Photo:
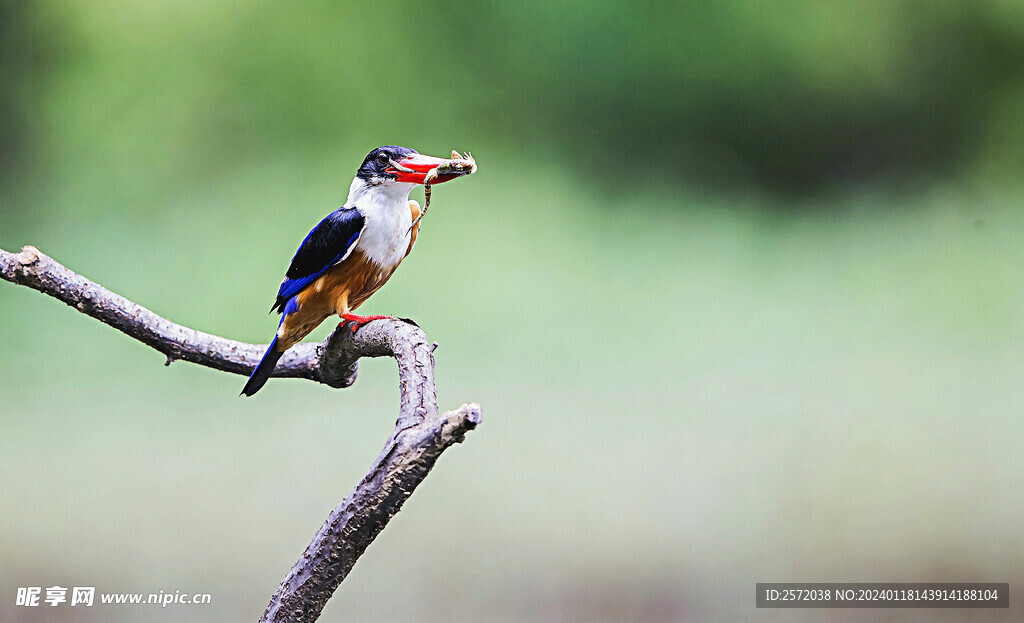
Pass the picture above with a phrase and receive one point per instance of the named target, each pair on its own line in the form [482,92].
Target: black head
[373,169]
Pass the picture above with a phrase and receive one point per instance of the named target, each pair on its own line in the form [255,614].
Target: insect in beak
[428,170]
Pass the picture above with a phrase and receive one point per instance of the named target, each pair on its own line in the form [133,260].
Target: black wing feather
[330,241]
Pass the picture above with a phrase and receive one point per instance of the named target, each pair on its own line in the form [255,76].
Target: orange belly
[341,289]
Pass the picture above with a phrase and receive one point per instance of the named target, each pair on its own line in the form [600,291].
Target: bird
[354,250]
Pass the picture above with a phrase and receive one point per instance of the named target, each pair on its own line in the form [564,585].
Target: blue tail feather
[263,371]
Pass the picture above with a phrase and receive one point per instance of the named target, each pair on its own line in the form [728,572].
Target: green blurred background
[738,285]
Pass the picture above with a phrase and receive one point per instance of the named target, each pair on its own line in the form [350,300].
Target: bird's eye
[383,158]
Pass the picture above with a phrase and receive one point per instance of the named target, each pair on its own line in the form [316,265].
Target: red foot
[359,321]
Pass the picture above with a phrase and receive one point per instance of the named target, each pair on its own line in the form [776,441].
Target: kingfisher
[354,250]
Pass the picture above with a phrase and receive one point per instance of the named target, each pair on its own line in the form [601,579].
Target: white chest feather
[385,208]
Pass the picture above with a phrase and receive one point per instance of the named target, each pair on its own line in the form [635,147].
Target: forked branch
[421,433]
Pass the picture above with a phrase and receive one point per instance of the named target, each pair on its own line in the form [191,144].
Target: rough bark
[421,433]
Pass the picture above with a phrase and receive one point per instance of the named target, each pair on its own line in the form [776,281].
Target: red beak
[415,167]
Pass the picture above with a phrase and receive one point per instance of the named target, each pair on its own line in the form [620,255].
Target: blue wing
[327,244]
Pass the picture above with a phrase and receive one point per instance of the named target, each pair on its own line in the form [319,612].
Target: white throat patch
[385,208]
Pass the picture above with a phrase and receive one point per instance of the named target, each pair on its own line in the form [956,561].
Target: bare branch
[36,270]
[405,461]
[421,434]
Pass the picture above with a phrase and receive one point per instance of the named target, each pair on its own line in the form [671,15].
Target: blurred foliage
[685,389]
[794,97]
